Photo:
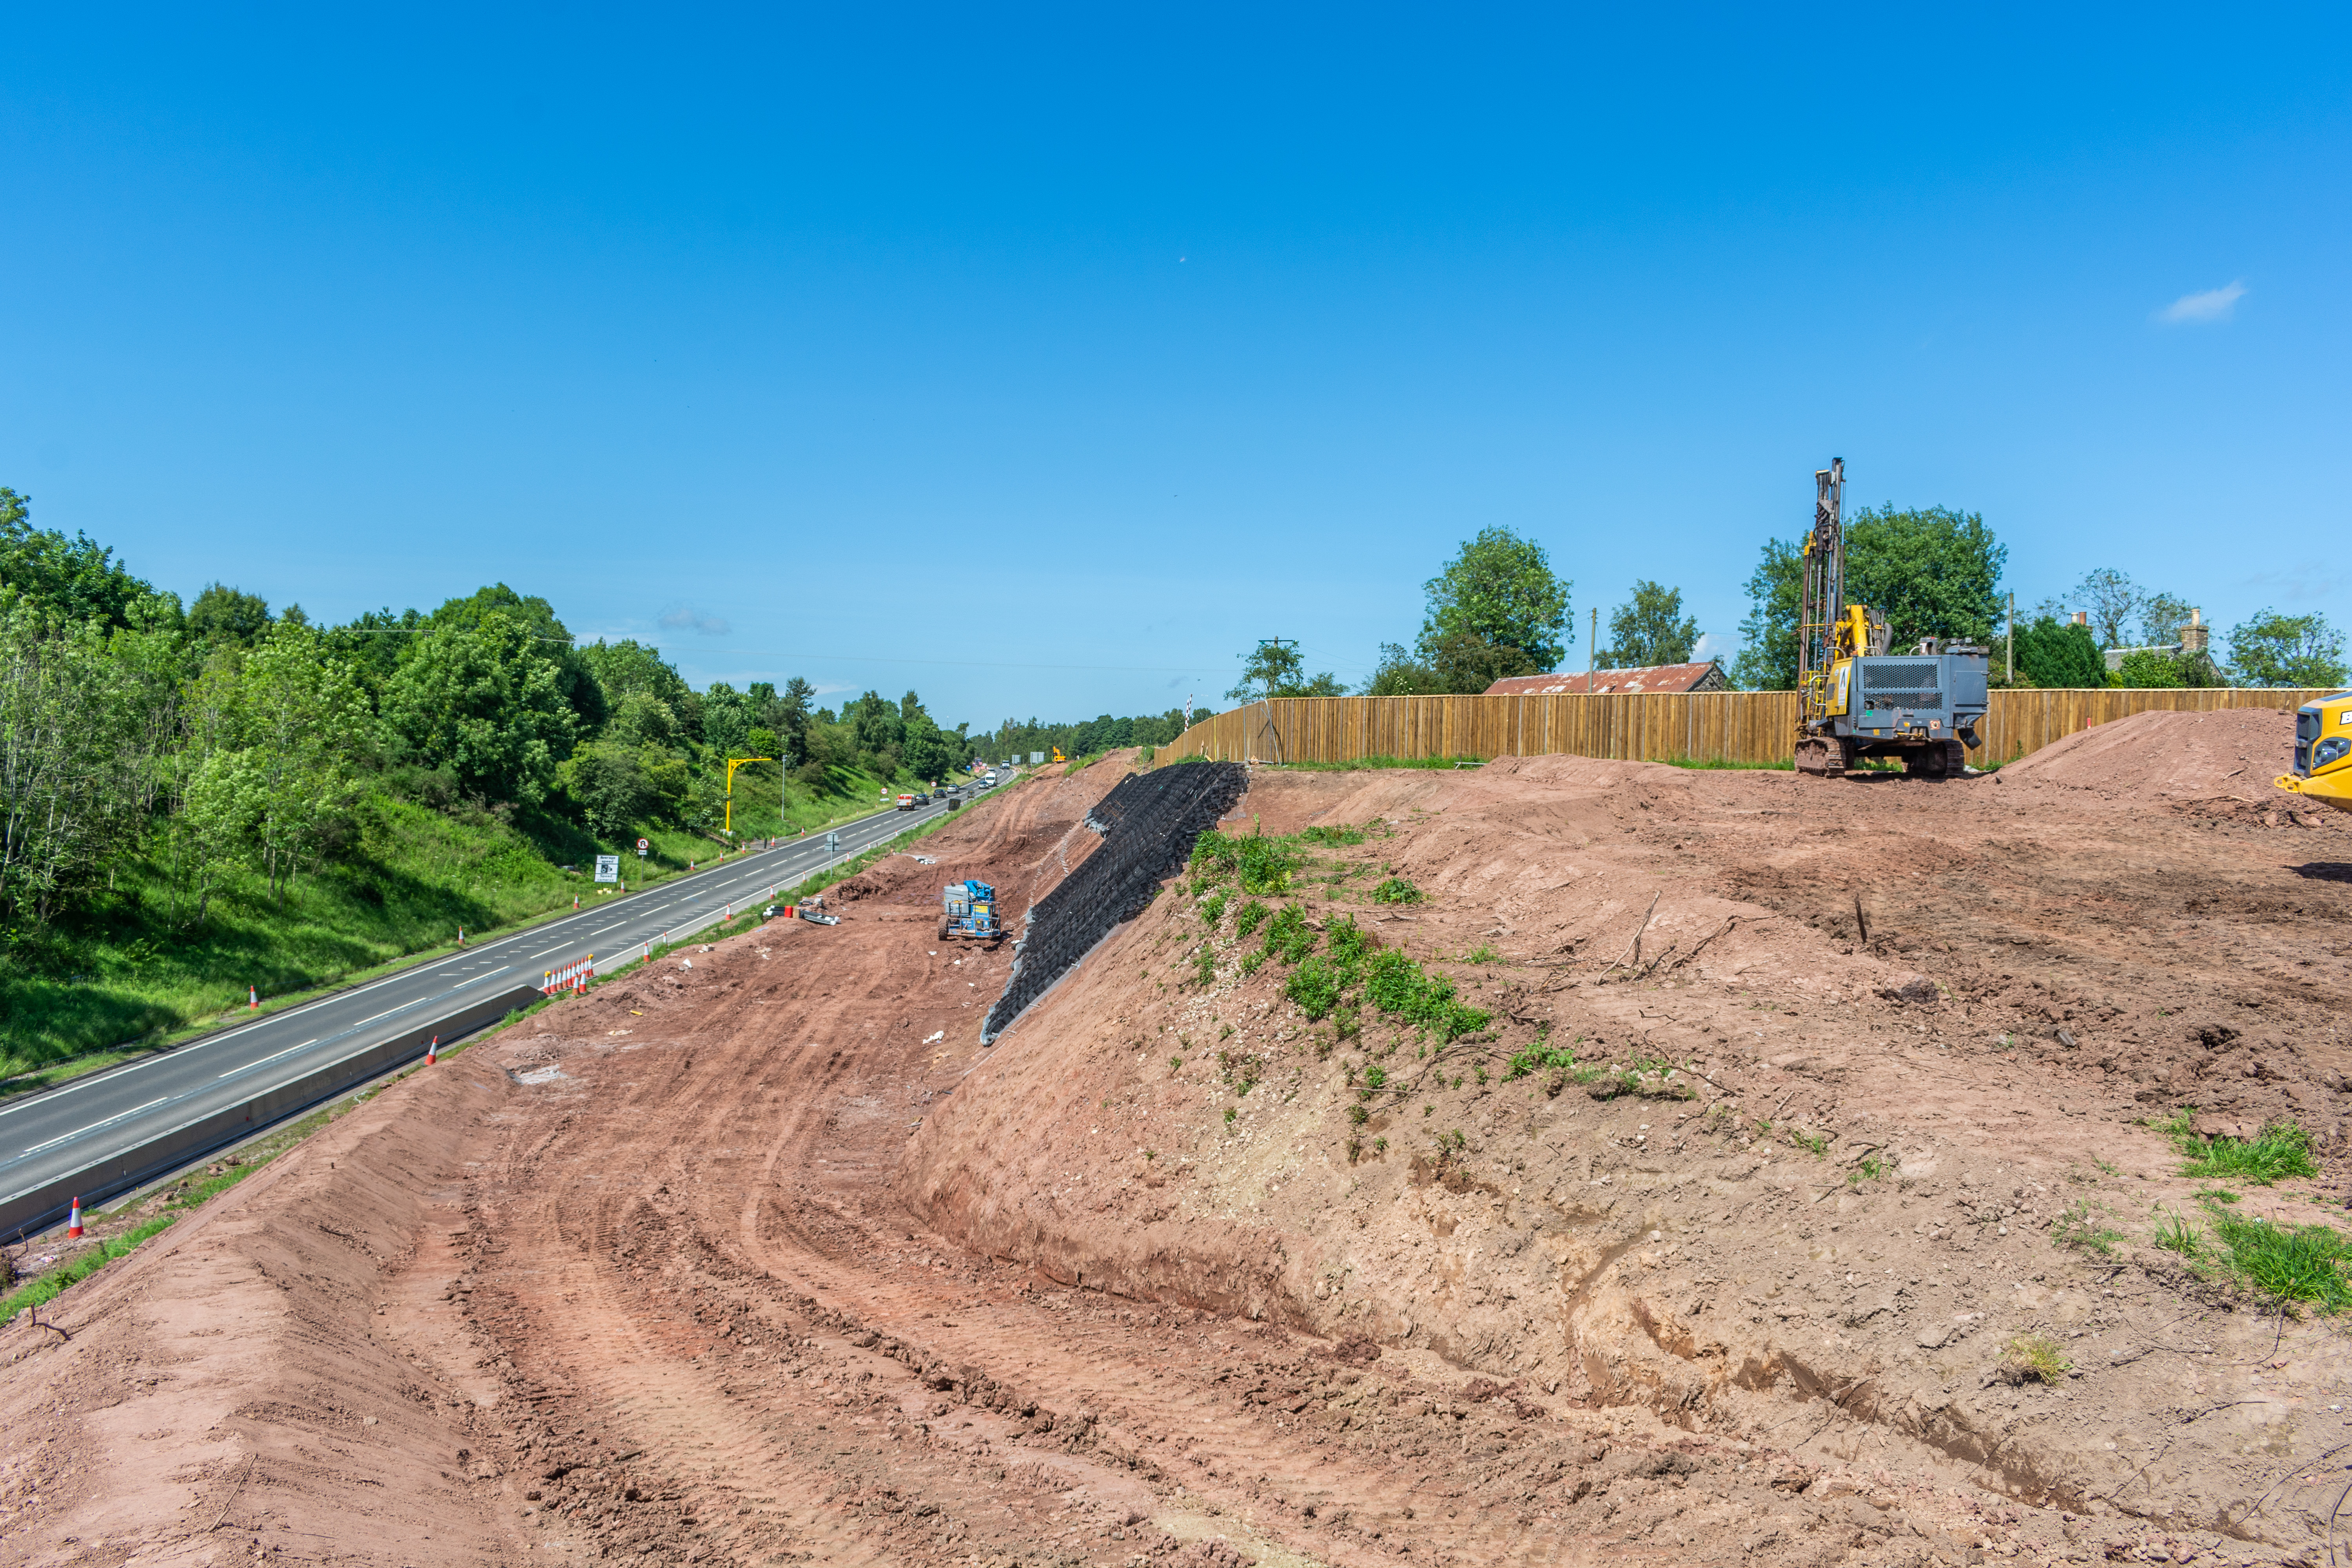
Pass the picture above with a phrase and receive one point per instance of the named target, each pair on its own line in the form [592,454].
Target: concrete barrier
[165,1152]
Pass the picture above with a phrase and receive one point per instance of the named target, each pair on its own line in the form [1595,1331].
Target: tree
[790,718]
[2155,667]
[1768,653]
[2113,600]
[69,784]
[298,712]
[1931,572]
[1651,630]
[2054,653]
[2161,616]
[74,579]
[1274,669]
[1401,673]
[486,702]
[1501,589]
[225,616]
[2271,650]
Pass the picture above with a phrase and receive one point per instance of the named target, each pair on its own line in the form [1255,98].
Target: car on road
[909,802]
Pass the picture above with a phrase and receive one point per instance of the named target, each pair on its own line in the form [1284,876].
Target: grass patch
[1485,952]
[2301,1264]
[2280,1152]
[2035,1358]
[2080,1227]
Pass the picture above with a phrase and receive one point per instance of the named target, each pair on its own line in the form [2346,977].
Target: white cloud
[1712,647]
[684,617]
[2212,305]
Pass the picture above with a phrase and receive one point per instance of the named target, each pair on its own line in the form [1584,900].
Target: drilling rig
[1854,699]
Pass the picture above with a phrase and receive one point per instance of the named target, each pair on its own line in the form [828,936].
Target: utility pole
[1592,649]
[2011,657]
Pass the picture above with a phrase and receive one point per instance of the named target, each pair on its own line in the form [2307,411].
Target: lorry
[968,910]
[909,802]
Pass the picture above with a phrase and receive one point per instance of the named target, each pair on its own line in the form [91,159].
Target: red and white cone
[73,1225]
[433,1050]
[252,998]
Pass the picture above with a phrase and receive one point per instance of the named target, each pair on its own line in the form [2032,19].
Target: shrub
[1213,908]
[1314,988]
[1349,942]
[1259,865]
[1288,936]
[1395,984]
[1396,890]
[1205,965]
[1252,915]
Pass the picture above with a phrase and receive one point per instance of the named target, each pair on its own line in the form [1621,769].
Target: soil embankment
[757,1257]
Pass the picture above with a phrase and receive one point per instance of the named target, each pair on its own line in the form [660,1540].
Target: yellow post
[732,764]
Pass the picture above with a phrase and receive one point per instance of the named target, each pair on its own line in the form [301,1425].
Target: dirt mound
[2229,755]
[755,1256]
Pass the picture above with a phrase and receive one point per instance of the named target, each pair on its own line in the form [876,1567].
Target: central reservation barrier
[1728,727]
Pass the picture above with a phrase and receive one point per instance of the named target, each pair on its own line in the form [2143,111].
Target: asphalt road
[88,1123]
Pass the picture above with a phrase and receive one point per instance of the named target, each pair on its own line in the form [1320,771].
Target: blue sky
[1044,360]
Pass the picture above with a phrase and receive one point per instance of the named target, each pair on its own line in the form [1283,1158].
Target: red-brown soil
[765,1259]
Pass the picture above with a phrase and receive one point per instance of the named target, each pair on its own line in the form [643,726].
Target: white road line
[96,1125]
[267,1060]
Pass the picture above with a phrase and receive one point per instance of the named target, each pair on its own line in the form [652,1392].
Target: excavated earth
[757,1256]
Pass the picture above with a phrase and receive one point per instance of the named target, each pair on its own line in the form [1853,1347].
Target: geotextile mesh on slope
[1148,822]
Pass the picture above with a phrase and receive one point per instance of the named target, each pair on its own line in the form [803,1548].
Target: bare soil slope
[756,1256]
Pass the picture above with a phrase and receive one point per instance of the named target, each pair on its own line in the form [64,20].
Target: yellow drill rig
[2323,752]
[1854,699]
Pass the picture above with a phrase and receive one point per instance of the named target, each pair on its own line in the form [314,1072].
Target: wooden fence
[1697,727]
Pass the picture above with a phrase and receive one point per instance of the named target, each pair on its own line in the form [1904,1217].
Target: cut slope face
[1850,1197]
[755,1255]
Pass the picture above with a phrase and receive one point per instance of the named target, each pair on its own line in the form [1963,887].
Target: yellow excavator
[2323,752]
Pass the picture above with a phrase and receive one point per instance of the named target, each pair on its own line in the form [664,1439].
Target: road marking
[267,1060]
[96,1125]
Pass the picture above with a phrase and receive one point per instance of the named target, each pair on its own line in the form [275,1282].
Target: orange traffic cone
[433,1050]
[73,1225]
[252,998]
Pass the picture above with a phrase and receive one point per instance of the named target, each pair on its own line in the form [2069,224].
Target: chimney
[2079,618]
[2193,635]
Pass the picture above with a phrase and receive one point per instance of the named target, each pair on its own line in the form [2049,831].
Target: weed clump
[1338,832]
[1213,908]
[1260,865]
[1250,916]
[1288,936]
[2035,1358]
[2279,1152]
[2302,1263]
[2079,1227]
[1396,985]
[1396,890]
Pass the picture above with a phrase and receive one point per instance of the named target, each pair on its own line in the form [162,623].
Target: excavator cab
[2323,752]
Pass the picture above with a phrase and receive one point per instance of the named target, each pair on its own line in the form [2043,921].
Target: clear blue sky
[1107,341]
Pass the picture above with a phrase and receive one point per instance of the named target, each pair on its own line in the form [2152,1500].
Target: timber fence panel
[1755,728]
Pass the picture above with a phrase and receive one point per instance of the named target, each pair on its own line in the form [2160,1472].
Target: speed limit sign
[644,844]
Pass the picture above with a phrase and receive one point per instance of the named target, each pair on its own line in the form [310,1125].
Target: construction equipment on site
[1058,755]
[969,911]
[2323,752]
[1854,699]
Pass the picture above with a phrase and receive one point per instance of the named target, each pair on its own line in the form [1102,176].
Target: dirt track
[763,1259]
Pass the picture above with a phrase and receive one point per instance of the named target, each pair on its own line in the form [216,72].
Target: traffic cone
[433,1050]
[252,999]
[73,1225]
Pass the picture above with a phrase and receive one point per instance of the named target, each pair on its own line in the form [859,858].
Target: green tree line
[219,738]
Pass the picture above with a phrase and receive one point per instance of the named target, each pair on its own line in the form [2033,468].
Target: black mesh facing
[1148,822]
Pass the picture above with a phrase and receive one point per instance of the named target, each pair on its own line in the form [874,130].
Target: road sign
[644,844]
[608,868]
[1036,757]
[833,843]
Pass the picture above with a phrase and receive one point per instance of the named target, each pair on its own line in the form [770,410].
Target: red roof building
[1703,676]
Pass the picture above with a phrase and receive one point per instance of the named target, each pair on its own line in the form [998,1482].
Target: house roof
[1650,678]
